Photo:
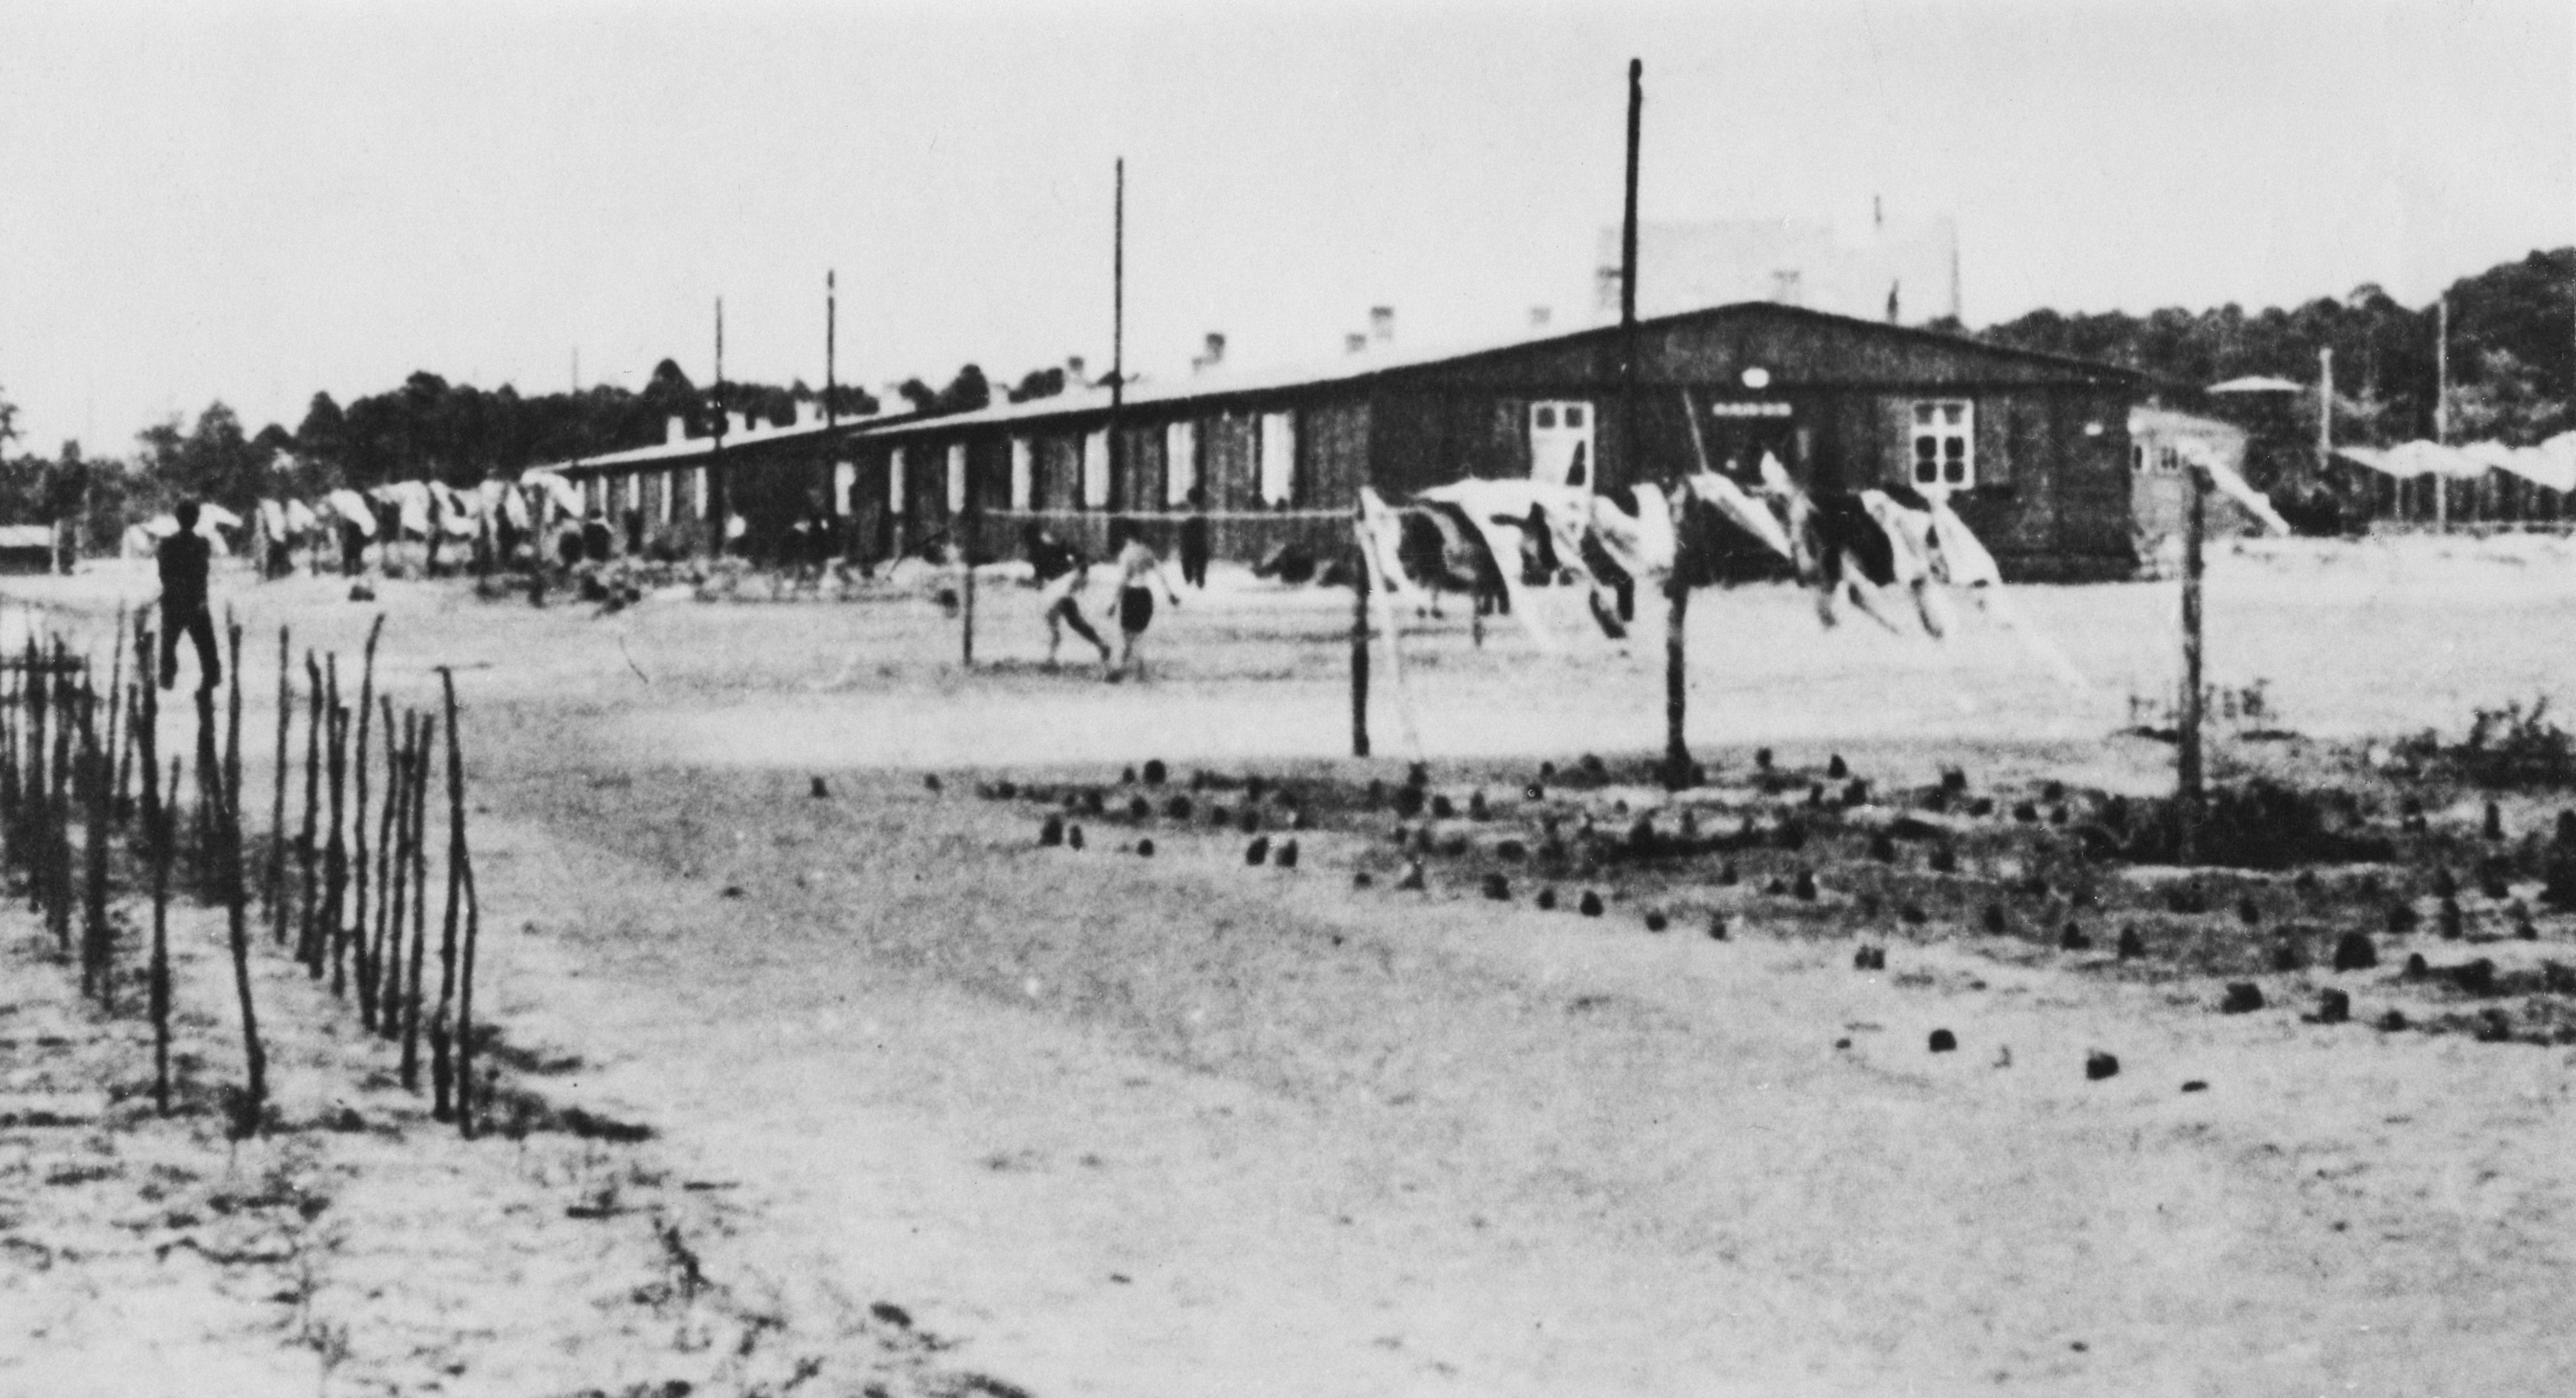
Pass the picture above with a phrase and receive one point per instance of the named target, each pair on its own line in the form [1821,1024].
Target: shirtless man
[1137,563]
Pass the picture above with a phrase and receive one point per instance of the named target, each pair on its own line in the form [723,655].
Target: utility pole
[1677,758]
[2187,765]
[717,513]
[1118,327]
[2442,406]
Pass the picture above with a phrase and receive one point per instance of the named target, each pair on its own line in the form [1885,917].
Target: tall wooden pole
[719,510]
[1118,325]
[2187,765]
[2442,406]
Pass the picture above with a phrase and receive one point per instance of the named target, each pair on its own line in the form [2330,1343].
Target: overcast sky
[252,202]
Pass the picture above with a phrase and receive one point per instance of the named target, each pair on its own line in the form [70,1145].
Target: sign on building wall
[1180,462]
[1278,458]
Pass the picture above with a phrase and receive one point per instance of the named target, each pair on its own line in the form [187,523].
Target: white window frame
[670,482]
[1944,423]
[1180,462]
[896,463]
[1278,458]
[1095,470]
[956,478]
[1023,472]
[697,492]
[845,483]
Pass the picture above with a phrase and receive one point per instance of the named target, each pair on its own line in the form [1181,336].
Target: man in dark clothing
[1060,573]
[184,558]
[1194,541]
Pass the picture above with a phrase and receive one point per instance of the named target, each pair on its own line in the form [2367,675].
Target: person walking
[184,559]
[1061,573]
[1137,564]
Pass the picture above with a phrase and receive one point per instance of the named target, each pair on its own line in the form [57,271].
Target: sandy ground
[1115,1125]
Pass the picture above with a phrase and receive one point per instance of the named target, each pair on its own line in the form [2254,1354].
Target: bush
[2261,825]
[2508,747]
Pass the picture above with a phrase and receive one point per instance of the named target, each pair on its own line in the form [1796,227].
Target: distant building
[1901,270]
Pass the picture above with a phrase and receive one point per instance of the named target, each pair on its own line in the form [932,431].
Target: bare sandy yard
[1101,1123]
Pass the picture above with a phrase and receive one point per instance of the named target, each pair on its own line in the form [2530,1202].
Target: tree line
[2512,368]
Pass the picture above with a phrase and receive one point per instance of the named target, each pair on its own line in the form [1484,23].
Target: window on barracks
[1544,415]
[1574,415]
[1945,450]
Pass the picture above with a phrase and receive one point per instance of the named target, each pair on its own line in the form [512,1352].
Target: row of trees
[2512,352]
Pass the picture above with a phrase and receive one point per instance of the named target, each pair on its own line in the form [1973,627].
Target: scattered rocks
[2450,921]
[1511,851]
[1286,857]
[2416,969]
[1716,927]
[2246,912]
[1258,852]
[733,890]
[930,782]
[1127,776]
[2333,1006]
[2073,939]
[2444,885]
[2392,1022]
[1443,809]
[2025,813]
[2401,919]
[1591,904]
[1412,881]
[1178,808]
[1945,860]
[2493,829]
[1139,809]
[1804,887]
[1156,773]
[2099,1065]
[2354,951]
[1476,808]
[1546,900]
[1870,959]
[1882,848]
[1836,768]
[1073,837]
[1145,848]
[1994,919]
[1762,758]
[1498,888]
[822,791]
[2195,1085]
[1051,832]
[1657,922]
[2476,978]
[2132,946]
[1249,822]
[1943,1041]
[2494,1026]
[1912,915]
[1727,877]
[2243,997]
[2289,956]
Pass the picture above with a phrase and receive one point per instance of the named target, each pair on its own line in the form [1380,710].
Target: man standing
[184,559]
[1194,541]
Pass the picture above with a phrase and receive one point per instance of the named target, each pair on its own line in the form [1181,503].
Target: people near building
[598,543]
[1196,541]
[1060,572]
[184,560]
[1138,567]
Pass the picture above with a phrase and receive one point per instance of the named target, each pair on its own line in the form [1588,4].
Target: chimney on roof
[675,430]
[1382,324]
[1073,374]
[1355,343]
[1215,348]
[738,424]
[1540,316]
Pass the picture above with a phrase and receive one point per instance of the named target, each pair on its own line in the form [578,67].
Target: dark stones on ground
[2058,815]
[930,782]
[2289,956]
[2416,968]
[1476,808]
[2354,951]
[1442,808]
[1657,922]
[1073,837]
[2099,1065]
[1006,789]
[1412,881]
[1775,888]
[1836,768]
[2243,997]
[2132,946]
[1944,860]
[1156,773]
[2073,939]
[1533,792]
[360,592]
[1591,904]
[1815,793]
[2494,1026]
[2053,791]
[2247,912]
[1498,888]
[1856,792]
[1943,1041]
[1882,848]
[2476,978]
[1299,820]
[1127,776]
[2402,918]
[2333,1006]
[1145,848]
[1727,877]
[1376,792]
[1178,808]
[1994,919]
[1249,822]
[1363,879]
[1762,758]
[1139,809]
[2035,886]
[1912,915]
[1546,900]
[2195,1085]
[1791,835]
[2025,813]
[1051,832]
[1982,807]
[1953,780]
[2493,828]
[2451,924]
[1286,858]
[1258,852]
[2392,1022]
[1408,801]
[733,890]
[1418,775]
[1454,846]
[1095,802]
[1219,817]
[1804,889]
[1546,771]
[1511,851]
[1717,927]
[2526,931]
[2444,885]
[2494,880]
[822,790]
[2189,899]
[1870,959]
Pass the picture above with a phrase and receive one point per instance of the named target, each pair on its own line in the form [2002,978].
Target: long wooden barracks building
[2035,447]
